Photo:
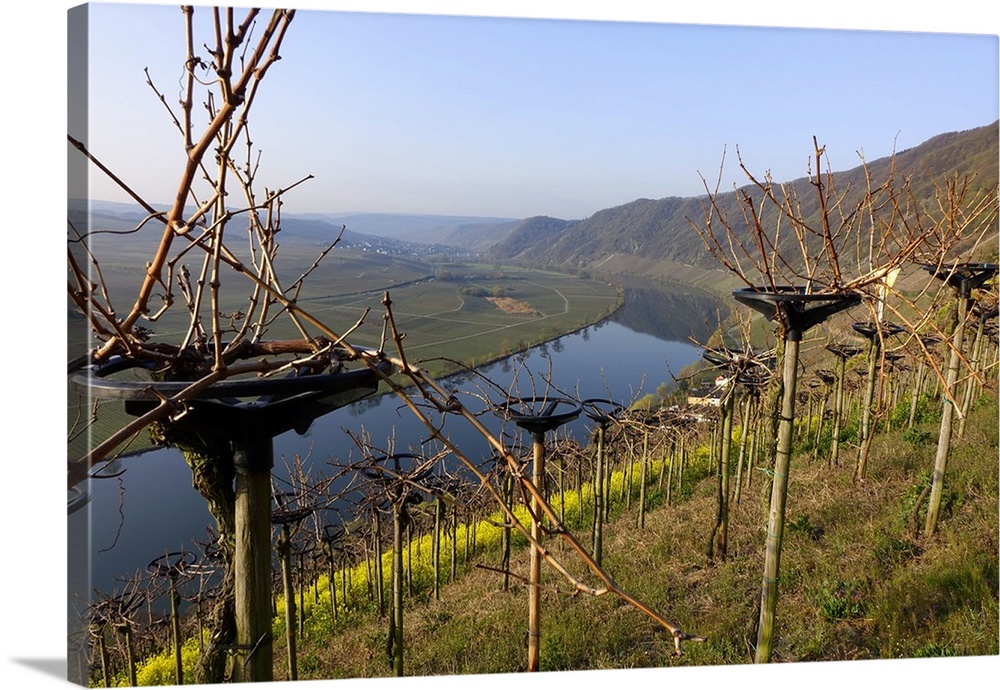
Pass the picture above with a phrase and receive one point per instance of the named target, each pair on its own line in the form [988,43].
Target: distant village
[708,394]
[393,247]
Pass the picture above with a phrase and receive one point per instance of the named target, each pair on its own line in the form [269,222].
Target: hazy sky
[519,116]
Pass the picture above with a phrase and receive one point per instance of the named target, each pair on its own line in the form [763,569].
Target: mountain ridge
[662,228]
[652,238]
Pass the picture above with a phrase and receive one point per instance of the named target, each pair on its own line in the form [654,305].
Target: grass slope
[857,582]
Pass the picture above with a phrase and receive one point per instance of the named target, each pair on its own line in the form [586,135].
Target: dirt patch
[511,306]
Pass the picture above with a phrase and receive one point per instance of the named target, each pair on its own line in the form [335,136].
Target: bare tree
[803,261]
[223,348]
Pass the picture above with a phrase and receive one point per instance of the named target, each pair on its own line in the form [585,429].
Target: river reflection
[152,508]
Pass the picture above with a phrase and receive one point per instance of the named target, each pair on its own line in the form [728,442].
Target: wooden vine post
[396,629]
[507,494]
[823,380]
[521,412]
[288,516]
[963,278]
[97,629]
[982,314]
[114,615]
[172,566]
[603,412]
[126,629]
[439,509]
[752,379]
[732,362]
[398,475]
[842,353]
[720,536]
[874,332]
[643,479]
[252,560]
[893,359]
[378,576]
[796,311]
[332,534]
[535,565]
[741,453]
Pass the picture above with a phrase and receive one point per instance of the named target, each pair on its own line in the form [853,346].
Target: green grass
[856,582]
[439,321]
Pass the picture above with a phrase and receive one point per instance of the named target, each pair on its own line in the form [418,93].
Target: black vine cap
[964,277]
[793,307]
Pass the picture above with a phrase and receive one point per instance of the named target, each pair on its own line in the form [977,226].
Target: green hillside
[650,232]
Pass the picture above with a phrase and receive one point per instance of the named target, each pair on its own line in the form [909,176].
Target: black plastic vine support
[843,351]
[793,307]
[964,277]
[601,410]
[797,311]
[553,413]
[537,415]
[248,413]
[870,329]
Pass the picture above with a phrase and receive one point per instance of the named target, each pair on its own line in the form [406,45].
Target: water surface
[152,508]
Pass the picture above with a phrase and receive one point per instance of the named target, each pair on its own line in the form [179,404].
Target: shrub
[840,600]
[951,499]
[553,656]
[917,437]
[803,525]
[928,410]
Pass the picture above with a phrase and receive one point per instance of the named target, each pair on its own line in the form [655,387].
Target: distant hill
[655,237]
[415,228]
[479,237]
[532,233]
[321,232]
[652,238]
[309,229]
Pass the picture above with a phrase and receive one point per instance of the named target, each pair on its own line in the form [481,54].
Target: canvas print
[430,345]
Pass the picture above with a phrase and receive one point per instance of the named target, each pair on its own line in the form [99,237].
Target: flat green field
[464,321]
[448,312]
[340,273]
[466,312]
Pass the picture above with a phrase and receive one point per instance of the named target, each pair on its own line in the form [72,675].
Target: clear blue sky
[524,116]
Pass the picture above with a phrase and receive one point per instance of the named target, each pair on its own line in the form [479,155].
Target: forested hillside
[645,230]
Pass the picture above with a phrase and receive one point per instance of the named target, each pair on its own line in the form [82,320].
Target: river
[151,508]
